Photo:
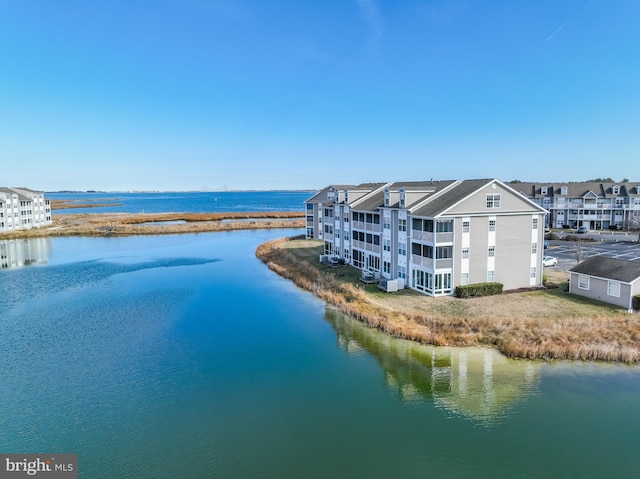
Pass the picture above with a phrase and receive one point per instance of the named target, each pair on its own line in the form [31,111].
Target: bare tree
[579,253]
[634,223]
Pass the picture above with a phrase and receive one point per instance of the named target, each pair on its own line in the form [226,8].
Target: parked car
[582,229]
[549,261]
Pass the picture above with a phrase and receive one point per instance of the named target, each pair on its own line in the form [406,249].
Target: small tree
[579,253]
[634,224]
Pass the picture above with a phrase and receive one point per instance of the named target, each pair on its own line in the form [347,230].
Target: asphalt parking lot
[612,246]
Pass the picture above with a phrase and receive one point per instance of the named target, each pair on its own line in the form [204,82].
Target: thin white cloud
[372,15]
[561,27]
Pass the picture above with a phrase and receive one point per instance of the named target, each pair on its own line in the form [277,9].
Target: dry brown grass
[122,224]
[544,324]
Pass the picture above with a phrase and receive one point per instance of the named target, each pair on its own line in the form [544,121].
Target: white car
[549,261]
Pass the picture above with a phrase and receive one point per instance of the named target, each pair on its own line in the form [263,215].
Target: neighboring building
[594,205]
[22,209]
[432,236]
[610,280]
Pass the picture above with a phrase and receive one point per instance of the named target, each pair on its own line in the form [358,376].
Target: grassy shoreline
[126,224]
[549,324]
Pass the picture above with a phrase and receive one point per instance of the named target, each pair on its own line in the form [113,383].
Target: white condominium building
[22,209]
[432,236]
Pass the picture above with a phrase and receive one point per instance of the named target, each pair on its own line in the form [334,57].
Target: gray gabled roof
[609,268]
[575,189]
[443,202]
[321,196]
[370,203]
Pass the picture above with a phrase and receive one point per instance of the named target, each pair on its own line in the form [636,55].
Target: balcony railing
[425,236]
[444,237]
[444,263]
[421,261]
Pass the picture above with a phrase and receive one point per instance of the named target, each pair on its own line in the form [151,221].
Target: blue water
[193,202]
[183,356]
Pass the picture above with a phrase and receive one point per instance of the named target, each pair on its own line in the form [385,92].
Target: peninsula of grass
[126,224]
[549,324]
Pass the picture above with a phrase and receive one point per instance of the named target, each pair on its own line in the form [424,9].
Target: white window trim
[584,279]
[616,288]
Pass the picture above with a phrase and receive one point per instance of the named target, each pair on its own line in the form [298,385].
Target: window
[346,217]
[402,272]
[492,251]
[464,279]
[402,249]
[543,190]
[402,225]
[583,282]
[386,267]
[465,253]
[615,190]
[493,200]
[613,289]
[533,272]
[535,223]
[386,224]
[492,225]
[444,226]
[387,245]
[534,248]
[337,234]
[491,276]
[465,226]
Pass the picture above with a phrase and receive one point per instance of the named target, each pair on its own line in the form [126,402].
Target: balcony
[421,261]
[424,236]
[444,237]
[444,263]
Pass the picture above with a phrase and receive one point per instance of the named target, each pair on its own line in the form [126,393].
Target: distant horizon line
[304,190]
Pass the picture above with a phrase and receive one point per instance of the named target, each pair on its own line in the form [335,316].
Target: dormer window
[346,196]
[543,190]
[615,189]
[638,190]
[387,198]
[402,199]
[564,190]
[331,195]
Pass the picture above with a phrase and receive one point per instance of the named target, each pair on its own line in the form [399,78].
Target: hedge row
[478,289]
[636,302]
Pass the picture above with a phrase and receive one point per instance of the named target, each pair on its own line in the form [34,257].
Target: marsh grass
[542,324]
[124,224]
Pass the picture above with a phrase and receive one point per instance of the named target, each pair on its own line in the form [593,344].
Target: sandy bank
[545,324]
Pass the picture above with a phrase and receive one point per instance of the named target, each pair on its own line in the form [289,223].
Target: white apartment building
[594,205]
[22,209]
[432,236]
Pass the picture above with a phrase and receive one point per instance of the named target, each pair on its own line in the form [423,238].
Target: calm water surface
[185,357]
[194,202]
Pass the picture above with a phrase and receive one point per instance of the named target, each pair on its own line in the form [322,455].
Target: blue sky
[262,94]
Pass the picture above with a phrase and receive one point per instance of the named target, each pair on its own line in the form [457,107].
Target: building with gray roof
[589,204]
[605,279]
[23,208]
[432,236]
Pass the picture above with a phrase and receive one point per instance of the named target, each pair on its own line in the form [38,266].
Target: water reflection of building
[477,383]
[24,252]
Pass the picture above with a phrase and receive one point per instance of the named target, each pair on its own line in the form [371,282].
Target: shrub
[478,289]
[551,236]
[636,302]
